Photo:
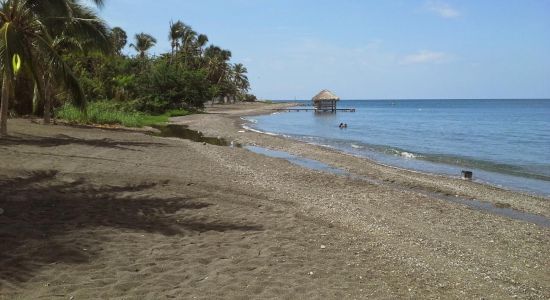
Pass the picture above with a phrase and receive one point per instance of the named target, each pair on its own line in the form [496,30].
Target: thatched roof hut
[325,101]
[325,95]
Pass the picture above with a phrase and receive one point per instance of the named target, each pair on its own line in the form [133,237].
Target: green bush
[250,98]
[171,87]
[104,112]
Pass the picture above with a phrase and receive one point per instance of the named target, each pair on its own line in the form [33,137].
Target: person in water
[341,125]
[345,125]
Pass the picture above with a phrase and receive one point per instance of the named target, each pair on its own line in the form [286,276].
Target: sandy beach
[91,213]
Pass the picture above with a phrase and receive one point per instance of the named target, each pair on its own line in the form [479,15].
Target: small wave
[356,146]
[407,155]
[259,131]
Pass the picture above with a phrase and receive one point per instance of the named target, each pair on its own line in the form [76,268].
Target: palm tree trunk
[4,105]
[47,102]
[172,55]
[35,99]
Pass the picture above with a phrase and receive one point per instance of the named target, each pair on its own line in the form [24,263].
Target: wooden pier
[315,109]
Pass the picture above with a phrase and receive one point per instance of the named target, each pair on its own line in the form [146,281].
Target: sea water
[505,142]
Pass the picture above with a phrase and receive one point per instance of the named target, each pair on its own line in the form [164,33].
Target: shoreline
[95,213]
[446,185]
[525,192]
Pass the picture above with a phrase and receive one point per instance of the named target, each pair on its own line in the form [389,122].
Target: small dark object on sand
[467,175]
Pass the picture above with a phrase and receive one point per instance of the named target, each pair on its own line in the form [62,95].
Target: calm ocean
[505,142]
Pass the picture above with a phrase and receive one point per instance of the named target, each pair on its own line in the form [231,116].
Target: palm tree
[144,42]
[200,43]
[54,6]
[175,35]
[188,41]
[217,64]
[26,46]
[119,39]
[240,79]
[81,31]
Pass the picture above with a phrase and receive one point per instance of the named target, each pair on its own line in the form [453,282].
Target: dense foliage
[109,112]
[58,55]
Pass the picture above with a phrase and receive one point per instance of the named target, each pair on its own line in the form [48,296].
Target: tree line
[60,52]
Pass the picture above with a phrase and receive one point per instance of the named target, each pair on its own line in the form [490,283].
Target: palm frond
[61,71]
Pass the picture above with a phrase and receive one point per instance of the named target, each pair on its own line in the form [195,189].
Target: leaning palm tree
[26,47]
[144,42]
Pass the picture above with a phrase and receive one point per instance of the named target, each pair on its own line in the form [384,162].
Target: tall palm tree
[143,42]
[174,36]
[26,46]
[188,39]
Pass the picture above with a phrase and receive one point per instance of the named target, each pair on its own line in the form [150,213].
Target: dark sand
[115,214]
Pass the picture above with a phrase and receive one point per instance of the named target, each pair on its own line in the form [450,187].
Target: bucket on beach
[467,175]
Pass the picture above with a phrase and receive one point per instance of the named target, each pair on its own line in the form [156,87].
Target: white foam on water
[356,146]
[251,120]
[407,155]
[259,131]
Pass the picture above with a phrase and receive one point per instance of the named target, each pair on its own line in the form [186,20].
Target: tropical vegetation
[59,56]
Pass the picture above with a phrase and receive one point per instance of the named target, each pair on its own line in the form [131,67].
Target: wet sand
[98,213]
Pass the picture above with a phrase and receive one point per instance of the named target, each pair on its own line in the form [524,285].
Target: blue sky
[392,49]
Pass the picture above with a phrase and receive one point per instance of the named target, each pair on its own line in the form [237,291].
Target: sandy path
[95,213]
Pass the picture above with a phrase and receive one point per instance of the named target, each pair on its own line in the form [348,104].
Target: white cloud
[442,9]
[426,57]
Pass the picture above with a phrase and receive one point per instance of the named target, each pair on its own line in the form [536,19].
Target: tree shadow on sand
[41,213]
[62,140]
